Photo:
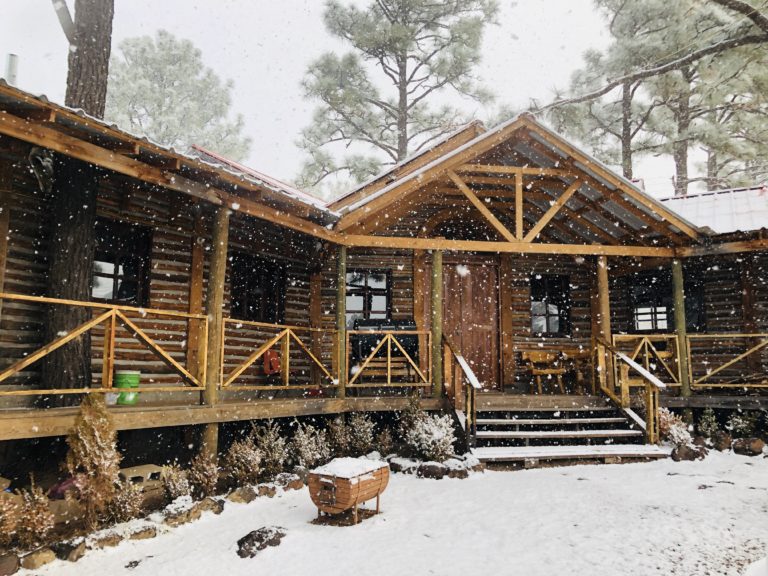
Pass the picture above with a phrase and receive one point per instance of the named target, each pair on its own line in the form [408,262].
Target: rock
[5,484]
[302,473]
[107,541]
[289,481]
[268,490]
[722,441]
[215,505]
[242,495]
[71,550]
[433,470]
[9,564]
[700,441]
[404,465]
[460,473]
[144,533]
[684,452]
[250,544]
[38,558]
[183,516]
[748,446]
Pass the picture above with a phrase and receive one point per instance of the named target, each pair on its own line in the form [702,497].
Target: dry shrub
[127,503]
[243,462]
[338,437]
[203,475]
[10,513]
[431,437]
[273,448]
[309,446]
[742,424]
[708,425]
[385,444]
[36,519]
[175,483]
[673,429]
[93,459]
[360,429]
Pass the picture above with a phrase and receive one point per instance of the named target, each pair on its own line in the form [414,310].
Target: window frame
[564,303]
[131,239]
[271,268]
[368,292]
[663,298]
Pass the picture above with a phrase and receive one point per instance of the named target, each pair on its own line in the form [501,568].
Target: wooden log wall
[172,218]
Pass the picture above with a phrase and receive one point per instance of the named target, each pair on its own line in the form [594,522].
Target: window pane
[352,317]
[378,315]
[538,308]
[553,309]
[554,325]
[355,279]
[377,280]
[355,302]
[379,303]
[102,286]
[539,324]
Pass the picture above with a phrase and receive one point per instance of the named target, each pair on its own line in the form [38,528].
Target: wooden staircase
[532,429]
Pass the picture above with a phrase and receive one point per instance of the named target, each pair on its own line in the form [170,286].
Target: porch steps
[550,428]
[597,452]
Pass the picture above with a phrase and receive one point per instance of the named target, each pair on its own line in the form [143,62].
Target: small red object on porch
[271,362]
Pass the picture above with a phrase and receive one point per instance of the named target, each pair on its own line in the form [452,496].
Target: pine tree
[93,459]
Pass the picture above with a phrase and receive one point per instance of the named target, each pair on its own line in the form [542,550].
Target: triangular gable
[542,178]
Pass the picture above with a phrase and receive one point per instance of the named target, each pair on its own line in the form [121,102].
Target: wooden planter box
[345,483]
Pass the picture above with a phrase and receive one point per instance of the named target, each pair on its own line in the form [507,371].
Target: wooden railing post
[678,296]
[214,308]
[604,323]
[341,319]
[436,309]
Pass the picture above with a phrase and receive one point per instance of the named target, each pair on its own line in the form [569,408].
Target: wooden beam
[553,210]
[196,346]
[477,203]
[280,217]
[678,300]
[315,321]
[519,230]
[755,245]
[604,321]
[214,307]
[506,273]
[411,243]
[436,315]
[525,170]
[419,303]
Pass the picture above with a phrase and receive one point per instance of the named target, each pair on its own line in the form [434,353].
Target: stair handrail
[653,386]
[470,407]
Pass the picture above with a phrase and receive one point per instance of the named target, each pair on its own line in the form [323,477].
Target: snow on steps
[547,421]
[558,434]
[522,453]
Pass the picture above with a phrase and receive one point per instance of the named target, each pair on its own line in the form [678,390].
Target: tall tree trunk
[682,138]
[402,109]
[73,209]
[712,177]
[626,130]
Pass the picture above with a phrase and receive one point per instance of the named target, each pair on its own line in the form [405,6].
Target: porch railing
[657,353]
[385,362]
[457,369]
[608,355]
[111,317]
[292,356]
[728,360]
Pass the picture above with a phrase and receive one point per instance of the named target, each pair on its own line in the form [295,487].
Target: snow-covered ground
[690,519]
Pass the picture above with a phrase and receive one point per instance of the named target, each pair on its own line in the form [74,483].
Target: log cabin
[500,273]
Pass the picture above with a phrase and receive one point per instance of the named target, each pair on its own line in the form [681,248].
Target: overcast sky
[265,46]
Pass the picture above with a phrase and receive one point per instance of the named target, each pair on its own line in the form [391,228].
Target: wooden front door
[471,316]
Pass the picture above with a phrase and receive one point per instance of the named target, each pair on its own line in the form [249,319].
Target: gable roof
[557,150]
[724,211]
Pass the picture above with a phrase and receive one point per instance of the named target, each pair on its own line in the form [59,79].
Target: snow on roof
[214,160]
[724,211]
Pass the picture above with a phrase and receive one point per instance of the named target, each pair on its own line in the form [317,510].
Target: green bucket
[127,379]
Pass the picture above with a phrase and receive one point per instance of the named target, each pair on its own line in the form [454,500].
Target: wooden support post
[214,308]
[316,321]
[419,304]
[749,278]
[519,230]
[678,301]
[507,327]
[196,346]
[285,359]
[5,219]
[604,318]
[436,307]
[341,318]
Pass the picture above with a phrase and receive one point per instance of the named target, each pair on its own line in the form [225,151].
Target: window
[121,263]
[550,304]
[368,295]
[257,289]
[652,307]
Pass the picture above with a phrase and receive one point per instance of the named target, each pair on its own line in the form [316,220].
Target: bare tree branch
[65,19]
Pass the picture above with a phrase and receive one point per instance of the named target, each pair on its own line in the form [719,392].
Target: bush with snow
[384,442]
[175,483]
[360,429]
[673,429]
[242,462]
[431,437]
[10,514]
[273,448]
[36,519]
[708,425]
[127,503]
[742,424]
[309,446]
[203,475]
[338,437]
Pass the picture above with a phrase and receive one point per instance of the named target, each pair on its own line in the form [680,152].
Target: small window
[550,304]
[122,263]
[652,304]
[257,289]
[368,295]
